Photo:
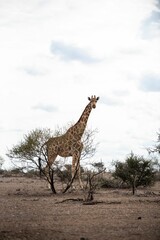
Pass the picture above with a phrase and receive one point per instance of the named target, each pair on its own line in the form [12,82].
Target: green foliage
[99,166]
[135,171]
[17,171]
[110,183]
[30,147]
[2,171]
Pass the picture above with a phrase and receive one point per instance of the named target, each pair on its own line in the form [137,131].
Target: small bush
[112,183]
[16,171]
[157,176]
[2,171]
[64,176]
[108,183]
[135,171]
[32,173]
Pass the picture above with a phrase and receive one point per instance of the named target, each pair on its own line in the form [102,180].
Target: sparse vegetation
[135,171]
[110,183]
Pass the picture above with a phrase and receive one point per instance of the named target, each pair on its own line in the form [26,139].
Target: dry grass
[29,211]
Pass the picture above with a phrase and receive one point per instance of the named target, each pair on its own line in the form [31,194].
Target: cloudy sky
[56,53]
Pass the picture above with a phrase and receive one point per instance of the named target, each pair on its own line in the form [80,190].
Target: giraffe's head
[93,100]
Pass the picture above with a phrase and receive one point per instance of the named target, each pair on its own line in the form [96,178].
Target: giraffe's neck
[85,115]
[77,130]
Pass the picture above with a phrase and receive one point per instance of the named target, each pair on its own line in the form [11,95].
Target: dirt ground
[28,210]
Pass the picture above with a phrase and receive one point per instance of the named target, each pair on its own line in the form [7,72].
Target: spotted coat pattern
[69,144]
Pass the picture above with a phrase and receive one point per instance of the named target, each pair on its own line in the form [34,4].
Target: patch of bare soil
[29,211]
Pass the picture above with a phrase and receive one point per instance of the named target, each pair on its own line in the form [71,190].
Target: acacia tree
[155,151]
[156,148]
[28,150]
[135,171]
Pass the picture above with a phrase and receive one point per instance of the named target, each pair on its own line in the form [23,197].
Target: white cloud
[46,108]
[111,100]
[34,71]
[71,53]
[151,25]
[150,83]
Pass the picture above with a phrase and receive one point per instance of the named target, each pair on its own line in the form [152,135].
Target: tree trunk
[51,181]
[133,189]
[134,185]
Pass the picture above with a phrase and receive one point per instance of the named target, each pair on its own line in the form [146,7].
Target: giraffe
[69,144]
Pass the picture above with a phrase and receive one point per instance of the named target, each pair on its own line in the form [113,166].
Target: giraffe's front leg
[79,169]
[76,163]
[79,175]
[74,166]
